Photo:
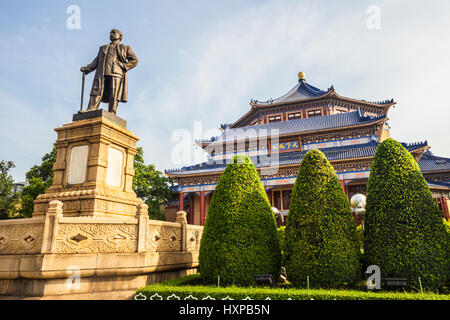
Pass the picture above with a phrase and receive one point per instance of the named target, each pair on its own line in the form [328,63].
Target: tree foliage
[321,240]
[151,185]
[35,187]
[239,238]
[8,200]
[281,232]
[44,171]
[40,178]
[404,234]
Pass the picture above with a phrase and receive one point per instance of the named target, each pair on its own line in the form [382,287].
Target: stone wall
[39,255]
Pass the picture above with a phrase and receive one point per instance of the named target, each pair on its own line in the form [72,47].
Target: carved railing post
[142,216]
[54,214]
[181,218]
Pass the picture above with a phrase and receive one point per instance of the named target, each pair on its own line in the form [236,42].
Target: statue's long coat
[129,60]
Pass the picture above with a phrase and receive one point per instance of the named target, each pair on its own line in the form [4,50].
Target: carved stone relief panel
[95,237]
[164,238]
[21,238]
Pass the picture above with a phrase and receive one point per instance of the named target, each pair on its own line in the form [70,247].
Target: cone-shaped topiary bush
[404,234]
[240,234]
[321,241]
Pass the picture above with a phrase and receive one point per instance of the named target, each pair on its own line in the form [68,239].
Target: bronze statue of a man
[110,83]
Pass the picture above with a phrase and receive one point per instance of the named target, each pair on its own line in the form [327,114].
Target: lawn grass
[191,286]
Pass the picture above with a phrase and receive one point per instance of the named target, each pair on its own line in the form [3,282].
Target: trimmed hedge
[447,226]
[404,234]
[281,231]
[240,234]
[321,240]
[360,236]
[187,288]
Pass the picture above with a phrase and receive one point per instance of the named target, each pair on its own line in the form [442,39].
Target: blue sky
[202,62]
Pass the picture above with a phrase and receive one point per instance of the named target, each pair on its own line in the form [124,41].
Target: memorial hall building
[346,130]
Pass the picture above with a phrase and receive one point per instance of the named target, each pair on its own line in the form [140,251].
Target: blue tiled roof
[429,162]
[340,120]
[304,90]
[301,91]
[333,154]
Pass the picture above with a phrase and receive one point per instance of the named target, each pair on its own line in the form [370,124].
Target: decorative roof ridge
[431,156]
[360,114]
[313,89]
[371,143]
[415,144]
[383,102]
[195,166]
[316,92]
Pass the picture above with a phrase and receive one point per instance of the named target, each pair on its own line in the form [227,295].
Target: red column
[444,205]
[343,186]
[202,208]
[190,216]
[269,195]
[181,201]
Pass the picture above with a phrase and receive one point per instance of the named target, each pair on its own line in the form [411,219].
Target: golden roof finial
[301,76]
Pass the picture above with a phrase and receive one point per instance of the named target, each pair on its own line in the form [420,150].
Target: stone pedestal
[90,236]
[94,168]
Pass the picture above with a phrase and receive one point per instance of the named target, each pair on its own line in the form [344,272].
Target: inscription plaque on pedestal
[114,170]
[78,164]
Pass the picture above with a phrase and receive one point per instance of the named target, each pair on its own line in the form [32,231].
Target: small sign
[264,279]
[286,146]
[395,282]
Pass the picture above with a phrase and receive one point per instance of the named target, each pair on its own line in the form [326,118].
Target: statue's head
[115,34]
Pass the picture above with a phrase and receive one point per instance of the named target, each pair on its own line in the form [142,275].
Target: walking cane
[82,91]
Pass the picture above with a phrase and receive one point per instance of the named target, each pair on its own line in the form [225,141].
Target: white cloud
[255,54]
[258,52]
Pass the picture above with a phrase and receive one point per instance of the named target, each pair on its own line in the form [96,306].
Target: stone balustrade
[55,233]
[110,253]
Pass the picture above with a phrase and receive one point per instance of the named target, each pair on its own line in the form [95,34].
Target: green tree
[40,178]
[151,185]
[239,238]
[44,171]
[8,200]
[320,240]
[404,234]
[35,187]
[447,228]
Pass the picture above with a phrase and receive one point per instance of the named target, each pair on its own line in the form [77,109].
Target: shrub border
[189,287]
